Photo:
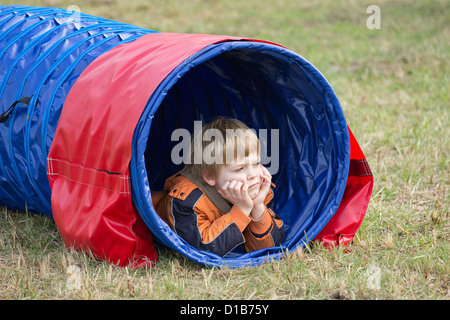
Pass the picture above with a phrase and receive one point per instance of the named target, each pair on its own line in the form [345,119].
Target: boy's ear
[209,180]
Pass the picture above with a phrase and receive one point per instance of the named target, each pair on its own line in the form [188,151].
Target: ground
[393,84]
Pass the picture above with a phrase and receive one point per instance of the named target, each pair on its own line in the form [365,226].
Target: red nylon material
[91,151]
[344,224]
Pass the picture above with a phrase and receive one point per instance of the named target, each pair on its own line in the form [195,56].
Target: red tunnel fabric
[342,227]
[91,193]
[88,163]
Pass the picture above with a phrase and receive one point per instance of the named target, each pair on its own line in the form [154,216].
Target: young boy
[221,204]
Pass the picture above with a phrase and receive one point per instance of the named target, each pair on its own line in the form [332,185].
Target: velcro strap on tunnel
[5,115]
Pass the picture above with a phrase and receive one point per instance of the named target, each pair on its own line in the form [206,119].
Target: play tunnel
[88,108]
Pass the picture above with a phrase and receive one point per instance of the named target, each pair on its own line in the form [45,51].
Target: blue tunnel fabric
[42,54]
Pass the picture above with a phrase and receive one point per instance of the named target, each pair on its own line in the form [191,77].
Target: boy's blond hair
[238,141]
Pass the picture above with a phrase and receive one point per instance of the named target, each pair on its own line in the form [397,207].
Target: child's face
[247,170]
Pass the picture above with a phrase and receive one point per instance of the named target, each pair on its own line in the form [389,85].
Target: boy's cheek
[261,173]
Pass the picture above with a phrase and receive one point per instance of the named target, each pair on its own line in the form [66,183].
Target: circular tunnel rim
[138,172]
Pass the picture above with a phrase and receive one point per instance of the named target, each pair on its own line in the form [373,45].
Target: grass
[393,85]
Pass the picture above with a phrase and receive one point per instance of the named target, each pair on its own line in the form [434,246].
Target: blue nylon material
[42,53]
[268,87]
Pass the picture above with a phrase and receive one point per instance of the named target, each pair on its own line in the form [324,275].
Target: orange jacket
[192,215]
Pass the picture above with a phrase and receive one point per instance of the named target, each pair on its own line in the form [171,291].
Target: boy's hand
[258,201]
[237,192]
[266,179]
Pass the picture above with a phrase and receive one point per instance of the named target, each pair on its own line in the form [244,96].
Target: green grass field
[393,84]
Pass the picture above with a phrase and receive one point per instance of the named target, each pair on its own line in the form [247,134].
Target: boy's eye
[239,169]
